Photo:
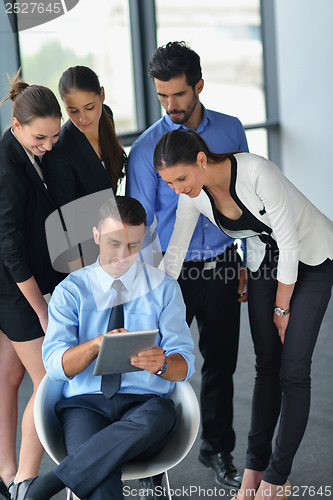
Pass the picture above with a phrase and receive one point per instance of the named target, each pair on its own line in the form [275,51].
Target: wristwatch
[281,312]
[163,368]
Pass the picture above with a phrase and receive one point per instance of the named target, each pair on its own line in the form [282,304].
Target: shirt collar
[31,158]
[201,127]
[204,121]
[101,283]
[29,155]
[106,280]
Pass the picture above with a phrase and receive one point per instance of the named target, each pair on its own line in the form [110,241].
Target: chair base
[168,484]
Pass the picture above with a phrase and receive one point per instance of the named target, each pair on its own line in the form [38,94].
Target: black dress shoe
[225,471]
[19,491]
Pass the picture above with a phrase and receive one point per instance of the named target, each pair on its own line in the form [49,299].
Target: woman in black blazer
[26,272]
[88,157]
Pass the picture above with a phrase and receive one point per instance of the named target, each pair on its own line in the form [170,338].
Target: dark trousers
[211,296]
[282,385]
[101,434]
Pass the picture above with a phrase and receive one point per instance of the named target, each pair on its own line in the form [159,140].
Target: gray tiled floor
[313,466]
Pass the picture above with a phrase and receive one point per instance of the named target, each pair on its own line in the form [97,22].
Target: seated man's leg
[109,489]
[79,425]
[108,434]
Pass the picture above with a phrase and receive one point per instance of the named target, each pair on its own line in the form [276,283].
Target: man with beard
[211,280]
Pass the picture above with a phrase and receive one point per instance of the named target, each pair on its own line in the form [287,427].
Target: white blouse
[301,231]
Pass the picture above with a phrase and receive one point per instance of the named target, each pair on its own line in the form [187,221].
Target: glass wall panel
[257,141]
[95,34]
[227,36]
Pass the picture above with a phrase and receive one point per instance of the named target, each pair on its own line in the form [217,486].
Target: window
[90,36]
[227,37]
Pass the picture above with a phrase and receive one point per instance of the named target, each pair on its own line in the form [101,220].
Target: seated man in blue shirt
[103,432]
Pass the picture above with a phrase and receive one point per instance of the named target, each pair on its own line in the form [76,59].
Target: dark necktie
[110,383]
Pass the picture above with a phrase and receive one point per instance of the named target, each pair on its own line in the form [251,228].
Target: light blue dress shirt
[79,310]
[223,134]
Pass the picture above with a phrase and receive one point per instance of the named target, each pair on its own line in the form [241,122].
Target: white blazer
[301,231]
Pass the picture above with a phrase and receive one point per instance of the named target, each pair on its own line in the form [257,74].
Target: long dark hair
[31,101]
[182,146]
[114,157]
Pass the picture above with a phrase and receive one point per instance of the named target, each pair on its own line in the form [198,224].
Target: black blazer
[24,206]
[72,168]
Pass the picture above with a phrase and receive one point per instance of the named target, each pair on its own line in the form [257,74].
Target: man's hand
[117,330]
[76,359]
[150,359]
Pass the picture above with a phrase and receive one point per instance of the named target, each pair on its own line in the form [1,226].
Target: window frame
[144,43]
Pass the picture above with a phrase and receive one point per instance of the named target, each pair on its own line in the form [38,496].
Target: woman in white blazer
[289,258]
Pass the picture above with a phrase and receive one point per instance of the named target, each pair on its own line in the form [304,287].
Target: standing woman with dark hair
[88,157]
[290,262]
[26,273]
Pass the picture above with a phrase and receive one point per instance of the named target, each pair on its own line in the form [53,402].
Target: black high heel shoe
[4,490]
[19,491]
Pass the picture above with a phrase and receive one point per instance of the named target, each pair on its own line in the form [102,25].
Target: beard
[187,113]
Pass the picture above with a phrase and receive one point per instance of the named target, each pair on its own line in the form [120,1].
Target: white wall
[305,72]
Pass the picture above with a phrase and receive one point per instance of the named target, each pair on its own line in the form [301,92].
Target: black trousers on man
[210,293]
[101,434]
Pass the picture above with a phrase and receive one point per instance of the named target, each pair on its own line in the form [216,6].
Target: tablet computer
[117,349]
